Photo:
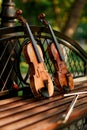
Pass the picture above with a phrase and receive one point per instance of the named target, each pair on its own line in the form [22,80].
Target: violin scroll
[41,17]
[19,12]
[20,17]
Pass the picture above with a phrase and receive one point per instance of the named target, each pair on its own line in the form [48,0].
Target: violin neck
[55,42]
[33,43]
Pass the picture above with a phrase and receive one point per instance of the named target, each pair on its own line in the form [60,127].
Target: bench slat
[29,114]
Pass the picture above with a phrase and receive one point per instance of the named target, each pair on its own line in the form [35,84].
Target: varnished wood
[63,79]
[40,79]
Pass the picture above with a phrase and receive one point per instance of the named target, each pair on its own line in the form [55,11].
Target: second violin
[63,78]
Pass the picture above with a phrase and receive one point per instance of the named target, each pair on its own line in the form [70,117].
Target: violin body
[63,79]
[40,80]
[39,77]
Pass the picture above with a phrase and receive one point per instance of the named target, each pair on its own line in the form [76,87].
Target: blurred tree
[63,15]
[73,17]
[61,8]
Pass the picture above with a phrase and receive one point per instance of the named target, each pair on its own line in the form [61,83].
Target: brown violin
[63,79]
[40,80]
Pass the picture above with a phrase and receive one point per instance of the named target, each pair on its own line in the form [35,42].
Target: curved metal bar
[40,32]
[43,36]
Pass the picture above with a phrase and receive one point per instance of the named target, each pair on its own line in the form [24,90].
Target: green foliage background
[32,8]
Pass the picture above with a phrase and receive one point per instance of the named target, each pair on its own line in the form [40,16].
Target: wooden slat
[29,114]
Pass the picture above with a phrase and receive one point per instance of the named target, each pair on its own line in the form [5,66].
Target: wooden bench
[41,114]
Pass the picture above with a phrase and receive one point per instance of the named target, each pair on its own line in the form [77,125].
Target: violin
[40,80]
[63,79]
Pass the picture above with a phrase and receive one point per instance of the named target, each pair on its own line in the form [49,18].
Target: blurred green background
[66,16]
